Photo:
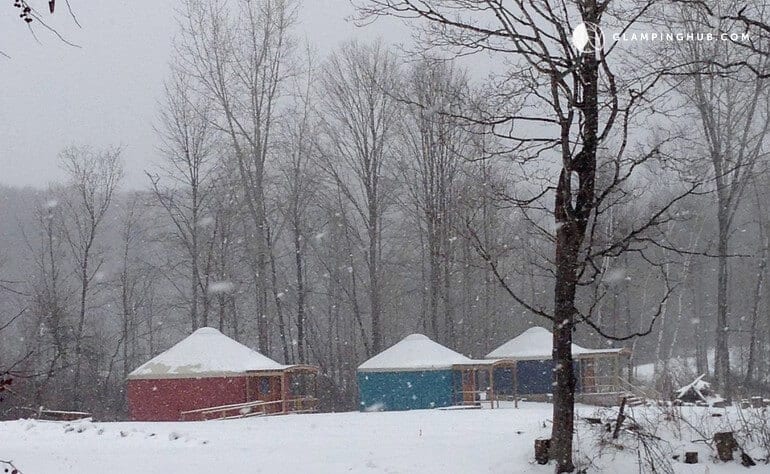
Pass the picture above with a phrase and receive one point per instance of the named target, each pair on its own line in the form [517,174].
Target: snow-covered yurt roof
[536,343]
[414,352]
[204,353]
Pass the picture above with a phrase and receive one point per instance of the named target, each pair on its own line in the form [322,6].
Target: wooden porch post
[454,387]
[284,392]
[515,380]
[492,386]
[315,386]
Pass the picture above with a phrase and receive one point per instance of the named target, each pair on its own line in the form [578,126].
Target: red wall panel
[164,399]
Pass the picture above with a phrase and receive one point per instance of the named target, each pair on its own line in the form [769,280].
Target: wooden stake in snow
[726,444]
[542,448]
[621,418]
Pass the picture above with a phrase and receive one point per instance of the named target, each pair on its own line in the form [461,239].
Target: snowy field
[426,441]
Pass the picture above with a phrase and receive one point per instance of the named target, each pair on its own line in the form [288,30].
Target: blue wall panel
[503,380]
[534,377]
[405,390]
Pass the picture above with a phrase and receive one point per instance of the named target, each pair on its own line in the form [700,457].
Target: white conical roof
[536,343]
[414,352]
[204,353]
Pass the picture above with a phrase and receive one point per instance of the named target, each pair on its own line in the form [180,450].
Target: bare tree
[733,112]
[49,290]
[238,54]
[135,281]
[226,211]
[435,146]
[340,340]
[93,178]
[183,186]
[359,117]
[300,187]
[757,344]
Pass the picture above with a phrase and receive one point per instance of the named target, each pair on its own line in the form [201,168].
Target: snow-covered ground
[423,441]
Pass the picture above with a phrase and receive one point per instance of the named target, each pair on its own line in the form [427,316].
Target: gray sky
[106,92]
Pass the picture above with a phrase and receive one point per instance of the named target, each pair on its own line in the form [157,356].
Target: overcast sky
[106,91]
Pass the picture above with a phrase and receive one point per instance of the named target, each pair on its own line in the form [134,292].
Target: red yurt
[208,375]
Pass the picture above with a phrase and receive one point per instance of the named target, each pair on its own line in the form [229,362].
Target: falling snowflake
[205,221]
[221,287]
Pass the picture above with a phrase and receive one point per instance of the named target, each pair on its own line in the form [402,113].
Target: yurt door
[469,387]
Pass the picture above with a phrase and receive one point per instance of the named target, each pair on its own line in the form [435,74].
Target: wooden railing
[57,415]
[236,410]
[255,408]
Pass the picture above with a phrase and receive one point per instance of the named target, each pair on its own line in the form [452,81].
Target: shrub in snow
[639,433]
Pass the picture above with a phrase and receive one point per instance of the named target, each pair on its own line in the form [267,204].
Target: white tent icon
[580,37]
[587,34]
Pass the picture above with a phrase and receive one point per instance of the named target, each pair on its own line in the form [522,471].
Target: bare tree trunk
[277,299]
[567,247]
[701,347]
[433,291]
[449,323]
[261,281]
[722,348]
[751,363]
[686,275]
[195,278]
[127,288]
[764,365]
[375,308]
[300,273]
[661,364]
[754,332]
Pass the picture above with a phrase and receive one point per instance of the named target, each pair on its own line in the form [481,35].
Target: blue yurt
[415,373]
[531,371]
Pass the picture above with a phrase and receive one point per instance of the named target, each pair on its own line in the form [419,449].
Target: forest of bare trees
[319,208]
